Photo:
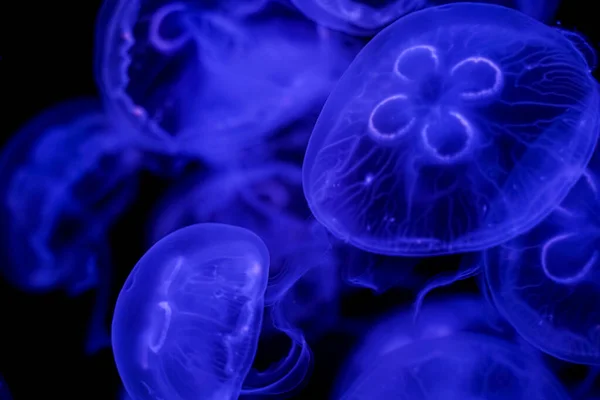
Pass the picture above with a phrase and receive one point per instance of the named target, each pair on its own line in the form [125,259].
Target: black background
[48,59]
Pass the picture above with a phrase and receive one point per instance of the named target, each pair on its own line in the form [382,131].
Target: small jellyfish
[187,319]
[463,366]
[209,80]
[267,200]
[546,282]
[64,179]
[454,130]
[367,17]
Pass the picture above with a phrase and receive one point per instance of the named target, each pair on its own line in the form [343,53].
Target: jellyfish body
[65,177]
[267,200]
[461,366]
[4,392]
[187,319]
[456,128]
[438,319]
[546,282]
[367,17]
[209,79]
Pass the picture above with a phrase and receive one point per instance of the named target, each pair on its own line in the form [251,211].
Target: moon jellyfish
[302,278]
[461,366]
[547,281]
[187,319]
[211,80]
[267,200]
[442,318]
[455,129]
[65,177]
[367,17]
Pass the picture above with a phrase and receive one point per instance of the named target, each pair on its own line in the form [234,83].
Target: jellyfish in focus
[367,17]
[65,177]
[546,282]
[456,367]
[210,79]
[187,319]
[455,129]
[301,297]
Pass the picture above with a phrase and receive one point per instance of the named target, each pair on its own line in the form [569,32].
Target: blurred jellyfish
[65,177]
[547,281]
[455,129]
[367,17]
[187,320]
[210,78]
[267,200]
[441,318]
[463,366]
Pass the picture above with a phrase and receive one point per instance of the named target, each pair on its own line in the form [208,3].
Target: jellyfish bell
[546,282]
[423,127]
[482,367]
[206,79]
[65,178]
[187,319]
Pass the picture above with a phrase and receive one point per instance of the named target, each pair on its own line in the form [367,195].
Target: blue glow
[482,367]
[547,281]
[455,129]
[64,178]
[187,320]
[194,78]
[367,17]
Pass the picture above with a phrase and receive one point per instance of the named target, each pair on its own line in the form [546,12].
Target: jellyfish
[209,79]
[367,17]
[267,200]
[455,129]
[65,177]
[445,317]
[461,366]
[546,282]
[187,319]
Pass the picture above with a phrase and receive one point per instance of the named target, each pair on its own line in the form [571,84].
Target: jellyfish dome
[455,129]
[367,17]
[546,282]
[437,319]
[457,367]
[64,179]
[187,319]
[209,79]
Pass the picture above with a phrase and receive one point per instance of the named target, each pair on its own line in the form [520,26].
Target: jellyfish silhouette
[460,366]
[367,17]
[65,177]
[209,79]
[4,392]
[455,129]
[187,319]
[546,282]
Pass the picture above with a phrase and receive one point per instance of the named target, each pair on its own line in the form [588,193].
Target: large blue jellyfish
[367,17]
[4,392]
[455,129]
[547,281]
[187,320]
[64,179]
[211,78]
[463,366]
